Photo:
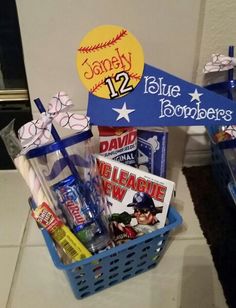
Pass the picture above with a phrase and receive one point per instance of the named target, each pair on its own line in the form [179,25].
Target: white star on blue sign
[123,113]
[195,96]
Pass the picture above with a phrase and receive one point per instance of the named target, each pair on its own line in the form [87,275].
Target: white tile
[14,207]
[198,143]
[33,236]
[38,283]
[8,258]
[190,227]
[196,130]
[188,278]
[185,277]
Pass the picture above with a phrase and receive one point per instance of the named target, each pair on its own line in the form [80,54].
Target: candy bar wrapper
[60,233]
[152,150]
[119,143]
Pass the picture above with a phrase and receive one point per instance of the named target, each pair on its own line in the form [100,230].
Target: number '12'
[124,87]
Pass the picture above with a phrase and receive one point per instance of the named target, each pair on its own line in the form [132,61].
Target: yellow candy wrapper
[60,233]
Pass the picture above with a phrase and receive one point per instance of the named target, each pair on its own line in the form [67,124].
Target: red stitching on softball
[99,46]
[134,76]
[101,82]
[97,86]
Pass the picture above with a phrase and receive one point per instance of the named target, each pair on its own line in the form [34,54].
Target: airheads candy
[119,143]
[61,234]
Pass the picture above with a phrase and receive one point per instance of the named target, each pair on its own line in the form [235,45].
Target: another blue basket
[220,166]
[232,191]
[117,264]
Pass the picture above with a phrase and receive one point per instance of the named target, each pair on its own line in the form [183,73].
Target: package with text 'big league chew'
[138,201]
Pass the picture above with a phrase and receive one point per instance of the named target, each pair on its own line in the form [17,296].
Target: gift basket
[72,190]
[117,264]
[223,138]
[106,216]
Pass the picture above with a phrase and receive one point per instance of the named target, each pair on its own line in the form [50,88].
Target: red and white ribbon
[219,63]
[38,132]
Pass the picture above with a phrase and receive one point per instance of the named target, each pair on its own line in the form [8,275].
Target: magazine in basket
[138,201]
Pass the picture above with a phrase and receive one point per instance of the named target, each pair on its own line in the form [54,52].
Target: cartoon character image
[145,210]
[121,228]
[125,226]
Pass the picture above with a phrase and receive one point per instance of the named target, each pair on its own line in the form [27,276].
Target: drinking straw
[83,189]
[230,72]
[57,138]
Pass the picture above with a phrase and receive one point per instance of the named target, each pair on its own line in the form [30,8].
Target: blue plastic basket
[117,264]
[220,166]
[232,191]
[221,169]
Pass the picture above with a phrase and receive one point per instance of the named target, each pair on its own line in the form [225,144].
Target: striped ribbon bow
[38,132]
[219,63]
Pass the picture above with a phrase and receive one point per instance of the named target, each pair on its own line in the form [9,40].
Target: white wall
[51,31]
[218,32]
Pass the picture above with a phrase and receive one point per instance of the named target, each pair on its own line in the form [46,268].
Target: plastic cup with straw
[94,234]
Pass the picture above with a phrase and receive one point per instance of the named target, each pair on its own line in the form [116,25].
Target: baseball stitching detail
[101,82]
[99,46]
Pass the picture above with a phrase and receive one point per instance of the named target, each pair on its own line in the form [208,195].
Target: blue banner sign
[161,99]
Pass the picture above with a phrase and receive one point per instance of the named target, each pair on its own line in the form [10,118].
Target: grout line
[192,238]
[10,246]
[33,245]
[18,261]
[6,171]
[23,240]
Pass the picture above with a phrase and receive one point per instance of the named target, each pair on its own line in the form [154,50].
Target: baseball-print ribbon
[38,132]
[219,63]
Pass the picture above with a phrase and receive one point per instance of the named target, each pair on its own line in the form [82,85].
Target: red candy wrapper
[119,143]
[60,233]
[46,218]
